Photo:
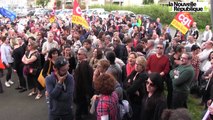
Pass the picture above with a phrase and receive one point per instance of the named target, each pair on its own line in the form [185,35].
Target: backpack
[125,110]
[124,107]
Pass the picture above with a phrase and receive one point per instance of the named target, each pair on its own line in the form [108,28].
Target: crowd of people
[117,58]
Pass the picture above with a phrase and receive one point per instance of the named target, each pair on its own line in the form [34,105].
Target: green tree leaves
[42,3]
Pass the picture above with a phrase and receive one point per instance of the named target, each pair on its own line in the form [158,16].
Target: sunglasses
[150,84]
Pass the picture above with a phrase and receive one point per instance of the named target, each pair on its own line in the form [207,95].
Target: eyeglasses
[150,84]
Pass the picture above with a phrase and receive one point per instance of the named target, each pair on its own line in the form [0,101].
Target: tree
[42,3]
[58,3]
[148,1]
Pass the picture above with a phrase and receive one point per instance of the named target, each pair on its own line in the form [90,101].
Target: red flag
[76,17]
[182,21]
[76,9]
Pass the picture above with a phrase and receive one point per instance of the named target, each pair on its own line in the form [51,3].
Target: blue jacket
[60,95]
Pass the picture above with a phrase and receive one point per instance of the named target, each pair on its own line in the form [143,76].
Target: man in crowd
[60,90]
[181,79]
[83,84]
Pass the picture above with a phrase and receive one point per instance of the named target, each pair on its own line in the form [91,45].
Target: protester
[18,53]
[154,101]
[7,59]
[107,108]
[134,85]
[181,79]
[83,79]
[60,89]
[31,60]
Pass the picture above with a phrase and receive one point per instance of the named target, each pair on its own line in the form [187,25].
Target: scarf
[129,69]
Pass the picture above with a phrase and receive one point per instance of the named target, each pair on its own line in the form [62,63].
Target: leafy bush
[161,11]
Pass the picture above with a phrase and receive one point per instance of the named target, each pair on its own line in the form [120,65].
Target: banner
[76,17]
[182,22]
[8,14]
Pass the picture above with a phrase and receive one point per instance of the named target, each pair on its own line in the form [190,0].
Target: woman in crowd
[6,57]
[96,56]
[107,108]
[135,86]
[31,59]
[101,68]
[130,66]
[70,56]
[48,68]
[154,101]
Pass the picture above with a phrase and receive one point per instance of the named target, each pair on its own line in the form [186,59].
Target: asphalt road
[18,106]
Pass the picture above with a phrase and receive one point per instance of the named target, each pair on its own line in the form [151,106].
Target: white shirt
[6,55]
[47,46]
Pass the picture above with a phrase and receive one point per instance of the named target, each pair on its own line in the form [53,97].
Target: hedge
[161,11]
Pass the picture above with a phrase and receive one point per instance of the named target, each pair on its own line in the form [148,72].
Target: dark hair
[128,40]
[99,53]
[157,95]
[194,47]
[176,114]
[210,55]
[52,51]
[157,80]
[139,48]
[87,41]
[110,55]
[105,84]
[178,48]
[3,38]
[32,38]
[60,62]
[64,38]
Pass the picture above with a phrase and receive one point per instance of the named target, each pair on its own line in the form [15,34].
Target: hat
[60,62]
[194,47]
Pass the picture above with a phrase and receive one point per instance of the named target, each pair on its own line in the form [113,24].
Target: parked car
[94,11]
[65,12]
[41,12]
[123,12]
[104,15]
[31,12]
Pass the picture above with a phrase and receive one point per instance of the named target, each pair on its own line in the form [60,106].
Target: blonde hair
[33,44]
[142,61]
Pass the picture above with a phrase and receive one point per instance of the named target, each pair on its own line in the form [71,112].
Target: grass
[193,107]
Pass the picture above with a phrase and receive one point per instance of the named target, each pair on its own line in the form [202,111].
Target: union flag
[76,17]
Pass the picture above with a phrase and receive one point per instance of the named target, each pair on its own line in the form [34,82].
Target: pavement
[18,106]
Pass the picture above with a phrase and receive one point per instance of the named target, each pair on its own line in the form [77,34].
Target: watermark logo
[188,7]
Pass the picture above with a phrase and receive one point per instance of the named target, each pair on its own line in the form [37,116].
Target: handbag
[41,78]
[2,65]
